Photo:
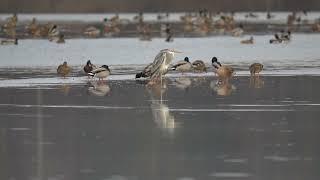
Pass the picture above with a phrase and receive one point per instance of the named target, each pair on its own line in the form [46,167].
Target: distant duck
[61,39]
[277,40]
[183,66]
[255,68]
[101,72]
[237,32]
[9,42]
[88,67]
[224,72]
[285,36]
[63,69]
[247,41]
[92,31]
[146,72]
[199,66]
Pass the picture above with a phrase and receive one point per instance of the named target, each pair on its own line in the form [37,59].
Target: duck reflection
[222,88]
[65,89]
[160,111]
[182,83]
[98,88]
[256,82]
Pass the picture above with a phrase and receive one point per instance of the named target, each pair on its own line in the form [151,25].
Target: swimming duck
[199,66]
[247,41]
[101,72]
[255,68]
[224,72]
[63,69]
[277,40]
[88,67]
[183,66]
[9,42]
[146,72]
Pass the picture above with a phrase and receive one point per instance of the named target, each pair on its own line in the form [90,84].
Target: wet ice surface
[122,130]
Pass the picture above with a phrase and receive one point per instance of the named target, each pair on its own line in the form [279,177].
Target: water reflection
[222,88]
[256,82]
[99,88]
[182,83]
[65,89]
[160,111]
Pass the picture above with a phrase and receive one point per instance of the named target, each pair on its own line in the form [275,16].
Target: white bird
[161,63]
[101,72]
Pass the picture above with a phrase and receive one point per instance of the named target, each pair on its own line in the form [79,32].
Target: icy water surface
[190,129]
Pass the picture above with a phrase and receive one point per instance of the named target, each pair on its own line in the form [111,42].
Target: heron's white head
[170,51]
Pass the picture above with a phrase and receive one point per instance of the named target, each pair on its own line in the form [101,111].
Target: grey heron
[161,63]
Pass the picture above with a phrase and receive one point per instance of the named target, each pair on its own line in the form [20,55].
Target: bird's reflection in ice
[182,83]
[222,88]
[160,111]
[256,82]
[98,88]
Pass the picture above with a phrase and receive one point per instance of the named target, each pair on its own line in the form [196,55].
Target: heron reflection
[98,88]
[160,111]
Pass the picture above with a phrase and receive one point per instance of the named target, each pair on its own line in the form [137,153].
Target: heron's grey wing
[158,61]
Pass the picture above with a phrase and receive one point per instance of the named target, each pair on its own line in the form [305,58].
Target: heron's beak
[175,51]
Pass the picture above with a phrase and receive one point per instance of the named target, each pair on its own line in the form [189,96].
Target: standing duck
[199,66]
[101,72]
[255,68]
[63,69]
[224,72]
[88,67]
[183,66]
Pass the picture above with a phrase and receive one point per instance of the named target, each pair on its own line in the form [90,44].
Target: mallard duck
[9,42]
[285,36]
[199,66]
[183,66]
[146,72]
[247,41]
[101,72]
[277,40]
[88,67]
[63,69]
[224,72]
[255,68]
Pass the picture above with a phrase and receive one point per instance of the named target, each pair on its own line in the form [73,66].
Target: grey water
[186,129]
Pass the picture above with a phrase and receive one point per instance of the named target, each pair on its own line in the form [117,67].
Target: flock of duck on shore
[162,64]
[201,22]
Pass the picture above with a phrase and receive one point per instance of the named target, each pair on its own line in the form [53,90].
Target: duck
[101,72]
[247,41]
[237,32]
[9,42]
[224,72]
[183,66]
[285,36]
[255,68]
[277,40]
[61,39]
[146,72]
[92,31]
[199,66]
[63,69]
[88,67]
